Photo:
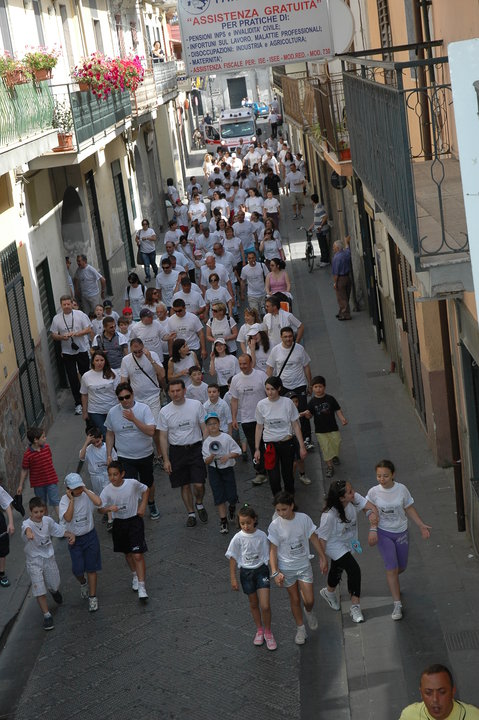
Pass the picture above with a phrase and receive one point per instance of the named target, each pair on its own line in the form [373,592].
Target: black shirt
[323,410]
[272,182]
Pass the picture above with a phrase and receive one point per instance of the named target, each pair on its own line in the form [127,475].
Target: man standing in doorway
[71,328]
[86,285]
[342,276]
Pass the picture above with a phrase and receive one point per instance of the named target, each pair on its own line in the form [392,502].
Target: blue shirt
[342,262]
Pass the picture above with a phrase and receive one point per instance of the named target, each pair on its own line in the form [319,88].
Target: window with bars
[385,27]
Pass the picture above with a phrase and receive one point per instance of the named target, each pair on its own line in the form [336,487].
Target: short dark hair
[390,466]
[274,301]
[177,381]
[318,380]
[117,465]
[36,502]
[123,386]
[283,498]
[275,382]
[213,385]
[179,302]
[108,320]
[94,431]
[436,668]
[34,433]
[193,369]
[286,329]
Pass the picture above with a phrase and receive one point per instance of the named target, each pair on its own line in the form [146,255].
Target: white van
[232,125]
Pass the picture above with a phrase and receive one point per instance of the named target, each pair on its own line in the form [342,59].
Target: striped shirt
[39,463]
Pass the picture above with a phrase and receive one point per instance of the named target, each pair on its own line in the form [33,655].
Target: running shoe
[154,512]
[142,594]
[48,623]
[329,471]
[397,611]
[312,619]
[92,604]
[78,411]
[270,641]
[134,583]
[4,581]
[84,591]
[304,479]
[191,522]
[332,600]
[259,479]
[224,529]
[109,526]
[259,637]
[300,637]
[356,614]
[308,444]
[202,514]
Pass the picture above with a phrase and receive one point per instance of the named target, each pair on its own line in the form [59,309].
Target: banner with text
[229,35]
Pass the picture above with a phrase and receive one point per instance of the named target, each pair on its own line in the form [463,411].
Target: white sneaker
[142,594]
[78,410]
[305,480]
[300,637]
[397,611]
[356,614]
[259,479]
[92,604]
[323,264]
[312,619]
[84,592]
[134,583]
[332,600]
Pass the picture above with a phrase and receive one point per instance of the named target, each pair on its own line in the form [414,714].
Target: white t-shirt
[260,357]
[254,204]
[173,235]
[181,259]
[182,422]
[339,535]
[76,320]
[221,294]
[233,245]
[185,364]
[274,323]
[152,336]
[244,231]
[146,389]
[291,537]
[222,328]
[197,211]
[166,282]
[239,198]
[82,520]
[193,300]
[96,463]
[224,446]
[130,442]
[254,276]
[391,504]
[226,367]
[272,248]
[295,180]
[271,205]
[277,418]
[186,328]
[243,332]
[126,497]
[88,278]
[219,270]
[197,392]
[100,391]
[250,550]
[248,390]
[41,545]
[293,375]
[228,262]
[222,409]
[147,244]
[135,298]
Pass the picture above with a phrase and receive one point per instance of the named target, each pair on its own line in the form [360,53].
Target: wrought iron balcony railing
[165,79]
[331,127]
[398,118]
[25,111]
[145,99]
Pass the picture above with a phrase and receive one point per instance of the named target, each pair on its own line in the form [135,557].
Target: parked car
[260,109]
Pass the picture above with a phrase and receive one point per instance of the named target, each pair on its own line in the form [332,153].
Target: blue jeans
[149,259]
[98,420]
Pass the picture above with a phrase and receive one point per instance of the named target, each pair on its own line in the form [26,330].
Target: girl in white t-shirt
[249,550]
[395,506]
[289,535]
[338,535]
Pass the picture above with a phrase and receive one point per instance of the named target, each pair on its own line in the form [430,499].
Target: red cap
[127,310]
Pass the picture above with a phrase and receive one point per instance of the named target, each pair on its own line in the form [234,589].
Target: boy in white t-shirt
[5,532]
[127,499]
[76,513]
[197,389]
[219,453]
[93,452]
[215,404]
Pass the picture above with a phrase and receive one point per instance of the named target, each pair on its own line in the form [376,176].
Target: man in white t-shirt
[166,282]
[86,282]
[193,300]
[296,182]
[130,427]
[291,363]
[182,429]
[252,156]
[244,230]
[146,241]
[211,266]
[246,390]
[150,331]
[252,277]
[186,326]
[171,251]
[71,328]
[277,318]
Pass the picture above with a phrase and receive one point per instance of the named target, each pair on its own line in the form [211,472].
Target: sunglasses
[213,310]
[123,397]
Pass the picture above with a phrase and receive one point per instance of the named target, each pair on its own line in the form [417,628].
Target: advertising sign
[232,35]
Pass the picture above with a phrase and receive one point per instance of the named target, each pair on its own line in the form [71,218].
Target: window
[97,35]
[120,36]
[66,35]
[5,36]
[38,21]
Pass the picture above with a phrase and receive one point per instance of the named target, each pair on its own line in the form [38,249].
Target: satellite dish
[342,25]
[338,181]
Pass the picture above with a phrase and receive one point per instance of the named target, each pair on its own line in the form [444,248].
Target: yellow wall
[428,328]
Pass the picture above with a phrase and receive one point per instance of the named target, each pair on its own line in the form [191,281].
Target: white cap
[254,330]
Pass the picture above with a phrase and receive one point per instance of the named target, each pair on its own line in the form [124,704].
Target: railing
[331,128]
[93,117]
[293,96]
[165,78]
[145,98]
[25,110]
[279,72]
[397,117]
[180,67]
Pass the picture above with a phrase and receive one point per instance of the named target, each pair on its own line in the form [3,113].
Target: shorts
[129,535]
[139,468]
[48,493]
[4,539]
[304,574]
[187,465]
[44,573]
[297,198]
[394,549]
[329,443]
[223,485]
[155,407]
[253,579]
[85,553]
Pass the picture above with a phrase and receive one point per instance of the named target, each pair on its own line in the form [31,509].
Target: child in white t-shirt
[338,535]
[5,532]
[127,499]
[93,452]
[219,453]
[197,389]
[216,405]
[289,535]
[249,550]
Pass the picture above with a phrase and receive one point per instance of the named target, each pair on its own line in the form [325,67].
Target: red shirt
[39,463]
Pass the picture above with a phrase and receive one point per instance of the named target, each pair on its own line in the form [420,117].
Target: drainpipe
[421,72]
[452,416]
[79,7]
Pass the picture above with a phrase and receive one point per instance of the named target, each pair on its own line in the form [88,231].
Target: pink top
[277,284]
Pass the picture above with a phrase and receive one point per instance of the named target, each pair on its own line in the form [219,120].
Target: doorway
[237,91]
[47,303]
[122,212]
[96,228]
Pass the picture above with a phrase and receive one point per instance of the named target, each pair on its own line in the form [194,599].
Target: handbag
[269,456]
[139,257]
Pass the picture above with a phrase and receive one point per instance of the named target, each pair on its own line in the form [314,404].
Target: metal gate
[122,213]
[368,240]
[22,338]
[412,336]
[47,303]
[237,91]
[96,227]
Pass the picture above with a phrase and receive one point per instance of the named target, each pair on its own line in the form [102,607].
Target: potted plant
[40,62]
[95,73]
[12,71]
[130,73]
[62,120]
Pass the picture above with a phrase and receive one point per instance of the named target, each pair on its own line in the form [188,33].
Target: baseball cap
[107,303]
[178,200]
[220,340]
[127,310]
[145,312]
[291,394]
[211,416]
[73,481]
[254,330]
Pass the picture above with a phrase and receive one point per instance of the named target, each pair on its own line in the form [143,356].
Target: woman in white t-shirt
[222,325]
[277,425]
[271,209]
[217,294]
[97,391]
[254,202]
[258,347]
[146,239]
[251,317]
[270,248]
[180,362]
[395,506]
[338,535]
[222,365]
[289,535]
[134,295]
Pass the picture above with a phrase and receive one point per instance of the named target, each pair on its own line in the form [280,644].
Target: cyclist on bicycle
[320,225]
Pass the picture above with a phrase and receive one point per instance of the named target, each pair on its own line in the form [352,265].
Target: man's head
[179,307]
[292,167]
[66,304]
[146,316]
[124,393]
[437,691]
[245,364]
[109,325]
[273,305]
[172,224]
[210,262]
[213,392]
[166,265]
[218,249]
[82,261]
[337,246]
[177,391]
[170,247]
[287,336]
[251,257]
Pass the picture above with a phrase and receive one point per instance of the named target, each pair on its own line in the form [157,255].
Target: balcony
[25,122]
[165,81]
[330,129]
[144,100]
[398,117]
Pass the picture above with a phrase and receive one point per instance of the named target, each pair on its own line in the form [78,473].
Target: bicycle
[309,250]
